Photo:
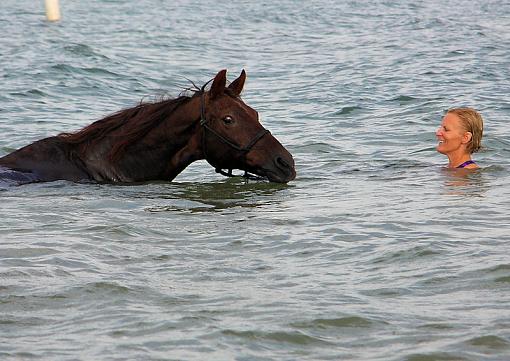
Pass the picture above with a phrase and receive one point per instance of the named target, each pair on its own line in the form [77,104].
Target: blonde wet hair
[472,122]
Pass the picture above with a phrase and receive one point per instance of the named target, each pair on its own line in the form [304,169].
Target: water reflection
[233,192]
[465,182]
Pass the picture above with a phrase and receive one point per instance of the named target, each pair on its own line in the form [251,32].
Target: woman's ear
[466,138]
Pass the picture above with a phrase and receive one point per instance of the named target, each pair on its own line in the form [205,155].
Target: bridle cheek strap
[242,149]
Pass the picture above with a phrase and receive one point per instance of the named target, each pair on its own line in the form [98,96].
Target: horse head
[233,137]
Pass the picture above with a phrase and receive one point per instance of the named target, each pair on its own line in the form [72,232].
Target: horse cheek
[256,158]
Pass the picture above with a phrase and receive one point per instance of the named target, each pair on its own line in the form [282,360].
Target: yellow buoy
[52,10]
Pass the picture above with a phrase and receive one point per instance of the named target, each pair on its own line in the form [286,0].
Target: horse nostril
[282,170]
[282,163]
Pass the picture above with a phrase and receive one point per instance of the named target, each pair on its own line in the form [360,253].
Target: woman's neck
[457,159]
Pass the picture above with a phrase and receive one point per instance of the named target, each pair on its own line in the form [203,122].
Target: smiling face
[452,136]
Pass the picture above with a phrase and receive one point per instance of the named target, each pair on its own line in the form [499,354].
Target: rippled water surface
[374,252]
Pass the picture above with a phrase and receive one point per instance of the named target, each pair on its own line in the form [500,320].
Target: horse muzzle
[282,170]
[278,168]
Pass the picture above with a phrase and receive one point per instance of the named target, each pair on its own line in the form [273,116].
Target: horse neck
[174,143]
[181,126]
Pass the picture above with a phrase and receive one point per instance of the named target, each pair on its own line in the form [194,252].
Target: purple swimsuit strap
[466,163]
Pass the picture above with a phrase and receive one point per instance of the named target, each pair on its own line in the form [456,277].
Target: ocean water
[374,251]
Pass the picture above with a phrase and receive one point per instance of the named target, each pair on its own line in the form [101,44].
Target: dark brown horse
[157,141]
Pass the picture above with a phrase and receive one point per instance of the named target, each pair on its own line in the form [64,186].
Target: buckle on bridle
[246,175]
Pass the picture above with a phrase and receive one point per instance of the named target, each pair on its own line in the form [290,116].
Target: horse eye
[228,120]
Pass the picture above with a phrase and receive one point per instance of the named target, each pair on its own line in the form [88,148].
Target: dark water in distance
[374,252]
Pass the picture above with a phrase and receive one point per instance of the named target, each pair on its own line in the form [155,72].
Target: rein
[242,149]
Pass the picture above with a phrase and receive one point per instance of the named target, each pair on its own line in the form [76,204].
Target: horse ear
[218,85]
[237,85]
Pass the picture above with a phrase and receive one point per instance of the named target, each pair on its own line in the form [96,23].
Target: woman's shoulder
[472,166]
[468,164]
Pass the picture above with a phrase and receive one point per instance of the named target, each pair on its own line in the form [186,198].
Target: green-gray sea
[374,252]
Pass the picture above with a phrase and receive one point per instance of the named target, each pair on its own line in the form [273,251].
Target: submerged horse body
[157,141]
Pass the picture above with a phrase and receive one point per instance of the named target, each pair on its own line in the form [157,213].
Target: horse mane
[139,121]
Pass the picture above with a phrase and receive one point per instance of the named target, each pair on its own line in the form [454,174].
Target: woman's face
[451,134]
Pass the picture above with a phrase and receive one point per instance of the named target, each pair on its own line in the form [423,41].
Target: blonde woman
[459,136]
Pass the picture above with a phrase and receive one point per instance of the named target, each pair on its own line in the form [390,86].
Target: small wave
[407,254]
[437,326]
[318,147]
[83,50]
[22,355]
[64,68]
[387,292]
[341,322]
[497,274]
[436,356]
[455,53]
[489,341]
[100,287]
[32,93]
[347,110]
[500,268]
[404,99]
[142,328]
[27,252]
[181,210]
[297,338]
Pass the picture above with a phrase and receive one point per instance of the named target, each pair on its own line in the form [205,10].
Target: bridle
[206,128]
